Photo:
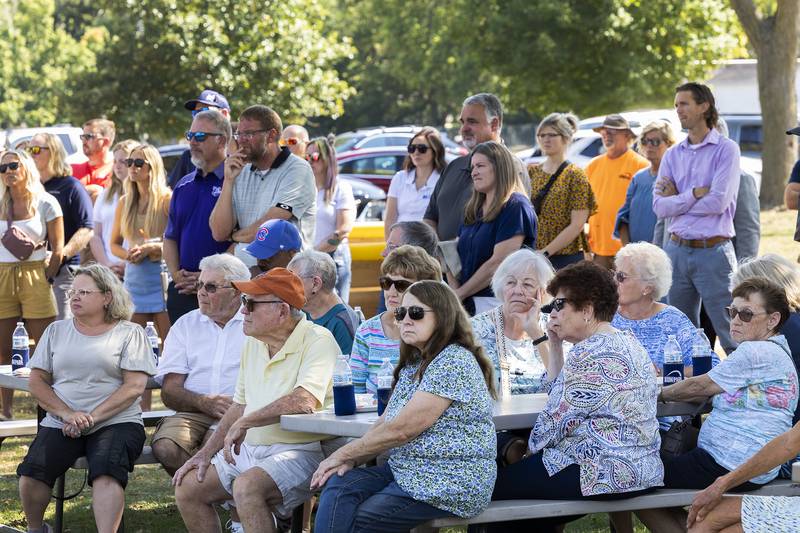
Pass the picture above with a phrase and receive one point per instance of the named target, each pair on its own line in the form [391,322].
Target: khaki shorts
[25,292]
[187,430]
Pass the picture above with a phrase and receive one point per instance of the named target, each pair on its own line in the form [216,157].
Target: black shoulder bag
[542,194]
[681,437]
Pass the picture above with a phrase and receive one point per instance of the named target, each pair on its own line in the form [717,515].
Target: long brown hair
[328,154]
[506,183]
[452,327]
[435,145]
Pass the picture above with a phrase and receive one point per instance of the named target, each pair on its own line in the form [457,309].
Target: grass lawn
[150,504]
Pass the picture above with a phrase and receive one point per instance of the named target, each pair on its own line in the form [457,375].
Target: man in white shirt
[200,362]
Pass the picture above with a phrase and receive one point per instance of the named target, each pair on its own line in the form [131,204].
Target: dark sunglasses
[211,287]
[651,142]
[415,312]
[196,111]
[745,315]
[14,165]
[36,150]
[421,148]
[200,136]
[250,304]
[313,158]
[89,136]
[401,285]
[138,163]
[556,305]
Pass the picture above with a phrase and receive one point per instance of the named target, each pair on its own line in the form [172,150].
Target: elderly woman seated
[754,392]
[88,373]
[437,424]
[512,333]
[597,437]
[323,305]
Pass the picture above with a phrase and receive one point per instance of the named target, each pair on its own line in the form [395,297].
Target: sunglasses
[250,304]
[401,285]
[211,287]
[415,312]
[421,148]
[289,141]
[36,150]
[14,165]
[90,136]
[651,142]
[200,136]
[556,305]
[138,163]
[745,315]
[196,111]
[547,135]
[313,158]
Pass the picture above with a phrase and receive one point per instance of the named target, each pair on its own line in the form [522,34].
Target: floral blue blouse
[601,415]
[451,465]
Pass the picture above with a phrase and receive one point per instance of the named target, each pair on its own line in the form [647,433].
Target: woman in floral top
[438,427]
[597,437]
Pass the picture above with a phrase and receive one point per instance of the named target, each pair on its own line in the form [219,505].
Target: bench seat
[501,511]
[17,428]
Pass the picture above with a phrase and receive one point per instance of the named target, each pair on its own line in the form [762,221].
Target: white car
[70,137]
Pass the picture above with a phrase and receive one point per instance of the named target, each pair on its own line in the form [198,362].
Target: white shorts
[289,465]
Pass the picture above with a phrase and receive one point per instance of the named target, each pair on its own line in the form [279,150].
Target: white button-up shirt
[207,354]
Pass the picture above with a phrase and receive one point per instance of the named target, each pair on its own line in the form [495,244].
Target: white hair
[651,264]
[520,262]
[316,263]
[231,267]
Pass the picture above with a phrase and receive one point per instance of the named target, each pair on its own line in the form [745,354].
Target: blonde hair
[116,187]
[158,203]
[505,179]
[327,153]
[121,306]
[411,262]
[32,181]
[565,124]
[106,127]
[776,268]
[661,126]
[57,165]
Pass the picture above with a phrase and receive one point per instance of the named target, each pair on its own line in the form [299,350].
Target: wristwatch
[545,253]
[540,340]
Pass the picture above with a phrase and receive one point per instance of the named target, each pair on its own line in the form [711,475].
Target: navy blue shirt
[476,241]
[77,207]
[192,201]
[795,176]
[183,167]
[791,330]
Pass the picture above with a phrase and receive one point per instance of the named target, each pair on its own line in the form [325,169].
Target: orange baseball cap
[279,281]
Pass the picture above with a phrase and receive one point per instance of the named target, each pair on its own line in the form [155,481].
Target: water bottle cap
[20,323]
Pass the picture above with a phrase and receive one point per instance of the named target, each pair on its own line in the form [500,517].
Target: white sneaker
[234,527]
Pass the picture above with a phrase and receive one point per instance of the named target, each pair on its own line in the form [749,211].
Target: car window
[750,138]
[383,165]
[593,149]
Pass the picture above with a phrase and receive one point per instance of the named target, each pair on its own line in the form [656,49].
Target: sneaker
[234,527]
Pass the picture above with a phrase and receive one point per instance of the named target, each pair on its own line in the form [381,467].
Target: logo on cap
[262,234]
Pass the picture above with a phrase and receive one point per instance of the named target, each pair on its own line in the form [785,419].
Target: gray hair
[523,260]
[418,233]
[316,263]
[121,305]
[776,268]
[231,267]
[296,313]
[565,124]
[491,105]
[220,122]
[652,265]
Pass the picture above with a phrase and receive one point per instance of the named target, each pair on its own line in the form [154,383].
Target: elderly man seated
[286,368]
[200,363]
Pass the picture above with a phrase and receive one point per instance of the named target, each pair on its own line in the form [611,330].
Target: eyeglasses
[211,287]
[556,305]
[289,141]
[313,157]
[90,136]
[138,163]
[415,312]
[36,150]
[651,142]
[421,148]
[83,293]
[247,134]
[200,136]
[621,277]
[14,165]
[400,284]
[547,135]
[196,111]
[745,315]
[250,304]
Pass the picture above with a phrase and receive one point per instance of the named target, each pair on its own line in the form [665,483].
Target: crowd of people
[490,287]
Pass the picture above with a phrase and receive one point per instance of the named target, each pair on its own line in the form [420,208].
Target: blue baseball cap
[274,236]
[208,97]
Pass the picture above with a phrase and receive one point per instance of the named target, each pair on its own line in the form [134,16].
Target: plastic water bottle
[359,314]
[701,353]
[153,338]
[385,378]
[20,350]
[673,361]
[344,397]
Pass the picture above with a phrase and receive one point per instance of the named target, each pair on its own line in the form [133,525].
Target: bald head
[296,138]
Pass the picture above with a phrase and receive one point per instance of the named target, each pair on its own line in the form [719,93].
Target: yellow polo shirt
[306,360]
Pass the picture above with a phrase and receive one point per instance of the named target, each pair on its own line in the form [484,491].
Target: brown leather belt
[698,243]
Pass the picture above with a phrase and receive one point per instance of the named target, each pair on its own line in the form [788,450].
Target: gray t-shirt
[86,370]
[290,184]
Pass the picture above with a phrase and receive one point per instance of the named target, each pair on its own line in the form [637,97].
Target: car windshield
[346,141]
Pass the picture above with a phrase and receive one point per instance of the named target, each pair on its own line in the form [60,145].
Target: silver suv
[70,136]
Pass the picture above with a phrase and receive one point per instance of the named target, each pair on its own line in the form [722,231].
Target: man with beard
[188,238]
[97,139]
[262,182]
[481,121]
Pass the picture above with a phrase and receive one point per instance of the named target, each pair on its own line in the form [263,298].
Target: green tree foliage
[39,61]
[156,54]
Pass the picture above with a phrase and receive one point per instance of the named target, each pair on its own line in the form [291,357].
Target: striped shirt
[370,348]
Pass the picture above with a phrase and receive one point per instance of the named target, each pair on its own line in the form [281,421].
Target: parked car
[70,136]
[382,137]
[171,154]
[376,165]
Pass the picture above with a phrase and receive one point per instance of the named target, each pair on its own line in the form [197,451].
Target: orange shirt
[609,179]
[91,175]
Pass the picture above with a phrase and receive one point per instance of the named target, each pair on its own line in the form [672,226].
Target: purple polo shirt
[713,163]
[193,199]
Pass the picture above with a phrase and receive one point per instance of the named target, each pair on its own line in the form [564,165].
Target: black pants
[696,470]
[179,304]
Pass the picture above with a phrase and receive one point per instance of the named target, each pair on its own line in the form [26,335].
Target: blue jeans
[344,265]
[369,499]
[703,274]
